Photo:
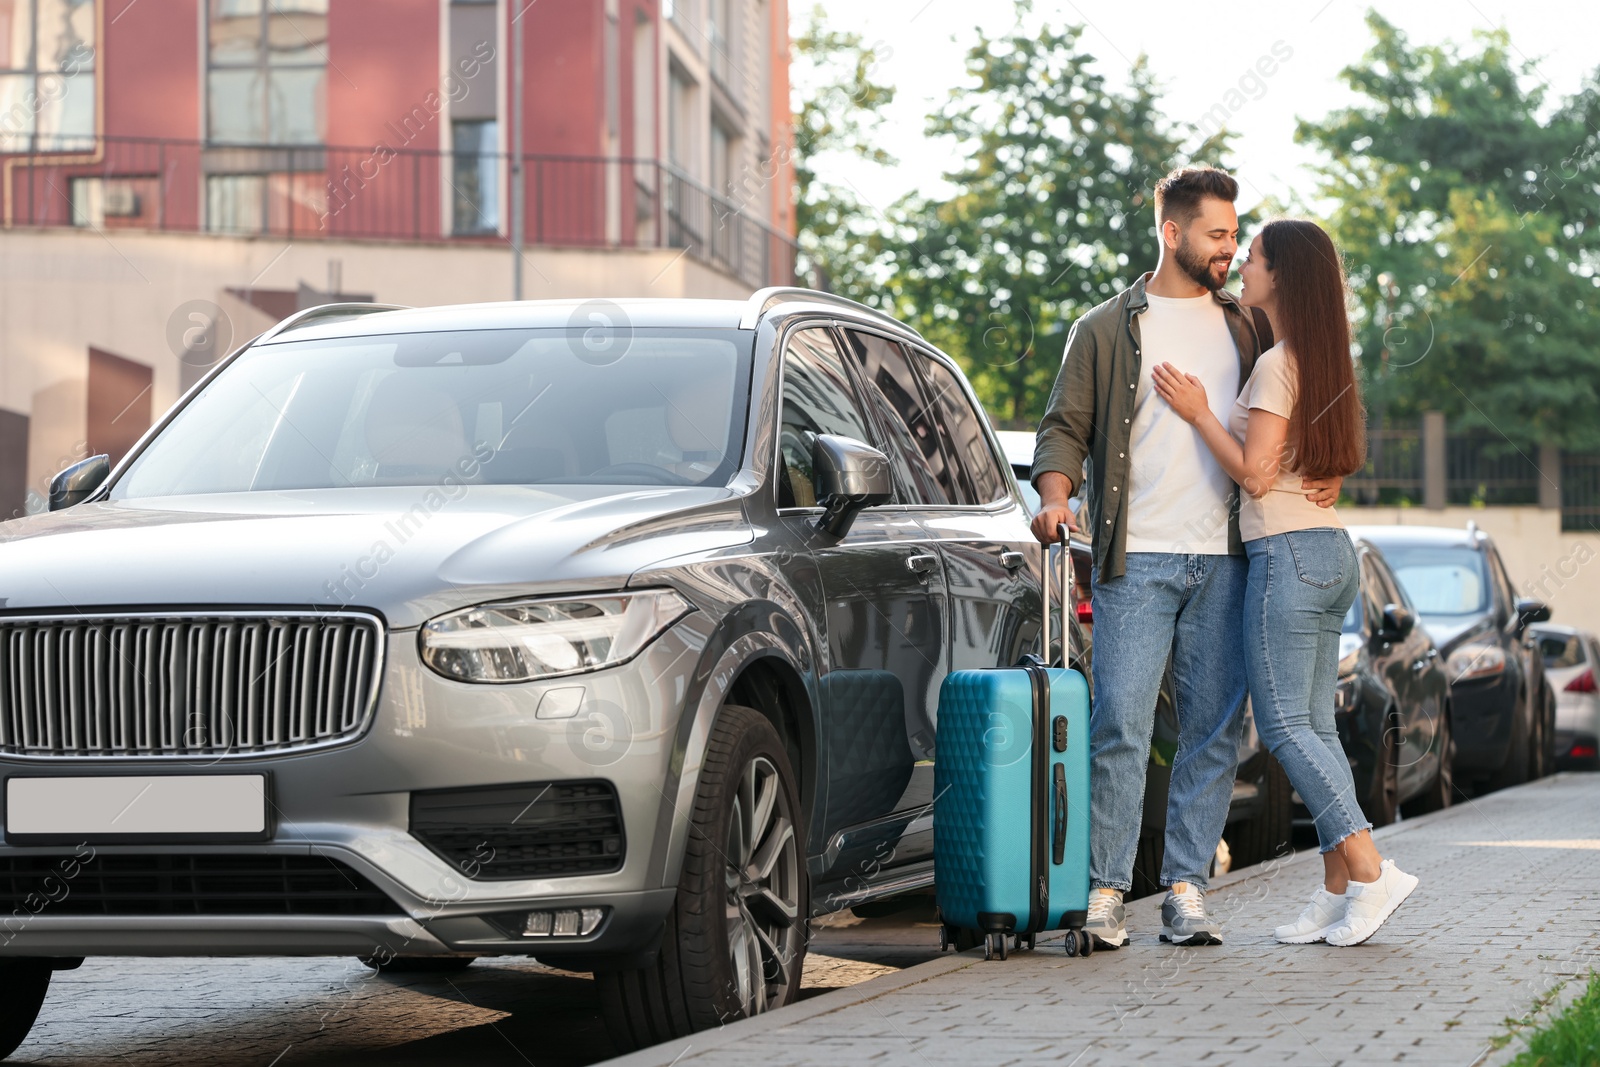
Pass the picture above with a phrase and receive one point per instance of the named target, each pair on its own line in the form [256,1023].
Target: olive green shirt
[1086,428]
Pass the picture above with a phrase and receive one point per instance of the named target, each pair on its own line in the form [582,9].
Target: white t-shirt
[1273,386]
[1177,491]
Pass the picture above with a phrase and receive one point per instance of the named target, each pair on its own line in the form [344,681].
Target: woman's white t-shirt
[1273,386]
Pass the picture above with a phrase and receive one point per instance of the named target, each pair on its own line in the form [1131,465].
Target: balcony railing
[315,191]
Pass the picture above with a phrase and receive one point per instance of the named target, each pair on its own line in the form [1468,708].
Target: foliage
[1571,1038]
[1468,223]
[838,109]
[1051,213]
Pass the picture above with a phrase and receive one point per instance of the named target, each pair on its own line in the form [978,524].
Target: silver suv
[606,633]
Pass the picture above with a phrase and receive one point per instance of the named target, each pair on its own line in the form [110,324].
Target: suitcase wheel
[994,945]
[1078,943]
[1070,942]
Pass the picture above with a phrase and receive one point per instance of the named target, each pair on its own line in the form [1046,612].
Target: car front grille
[537,830]
[199,884]
[190,685]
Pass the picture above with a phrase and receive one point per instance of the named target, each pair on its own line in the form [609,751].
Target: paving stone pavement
[1506,911]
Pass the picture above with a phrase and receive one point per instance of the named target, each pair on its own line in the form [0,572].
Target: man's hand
[1323,492]
[1055,489]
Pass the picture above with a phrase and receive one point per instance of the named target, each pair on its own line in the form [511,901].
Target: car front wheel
[1440,793]
[734,943]
[25,983]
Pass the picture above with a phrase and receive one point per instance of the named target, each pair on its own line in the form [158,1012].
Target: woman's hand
[1183,391]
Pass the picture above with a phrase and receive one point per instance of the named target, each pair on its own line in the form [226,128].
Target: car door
[991,559]
[1419,688]
[882,606]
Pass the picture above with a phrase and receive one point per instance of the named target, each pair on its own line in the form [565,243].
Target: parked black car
[1260,818]
[1393,701]
[1502,708]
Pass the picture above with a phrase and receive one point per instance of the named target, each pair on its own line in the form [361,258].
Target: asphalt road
[284,1011]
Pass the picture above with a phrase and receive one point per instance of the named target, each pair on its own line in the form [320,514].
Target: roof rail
[764,300]
[325,313]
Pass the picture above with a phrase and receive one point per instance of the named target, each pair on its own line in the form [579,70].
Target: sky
[1196,59]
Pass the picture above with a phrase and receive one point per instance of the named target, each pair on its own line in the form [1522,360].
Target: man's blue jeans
[1189,608]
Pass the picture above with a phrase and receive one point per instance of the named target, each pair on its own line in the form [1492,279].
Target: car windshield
[505,407]
[1441,580]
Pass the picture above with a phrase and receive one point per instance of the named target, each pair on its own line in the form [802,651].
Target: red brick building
[366,143]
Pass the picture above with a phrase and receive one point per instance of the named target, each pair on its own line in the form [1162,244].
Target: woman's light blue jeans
[1300,586]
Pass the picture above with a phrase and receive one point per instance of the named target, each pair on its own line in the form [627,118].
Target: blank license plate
[233,804]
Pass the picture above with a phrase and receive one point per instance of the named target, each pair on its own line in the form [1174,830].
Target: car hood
[1449,631]
[408,552]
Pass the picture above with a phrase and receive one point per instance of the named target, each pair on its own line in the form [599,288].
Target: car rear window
[1561,650]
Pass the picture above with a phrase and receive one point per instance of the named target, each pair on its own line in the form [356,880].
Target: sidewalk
[1507,909]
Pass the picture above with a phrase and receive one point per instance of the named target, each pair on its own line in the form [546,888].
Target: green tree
[1051,215]
[838,109]
[1468,223]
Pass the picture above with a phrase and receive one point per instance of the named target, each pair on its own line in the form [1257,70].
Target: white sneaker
[1368,904]
[1323,914]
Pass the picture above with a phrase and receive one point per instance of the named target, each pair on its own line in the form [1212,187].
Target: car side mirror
[1398,622]
[74,484]
[849,475]
[1531,610]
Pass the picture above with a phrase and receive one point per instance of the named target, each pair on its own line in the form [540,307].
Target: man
[1169,570]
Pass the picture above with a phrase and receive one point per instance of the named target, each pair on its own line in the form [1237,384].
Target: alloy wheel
[762,876]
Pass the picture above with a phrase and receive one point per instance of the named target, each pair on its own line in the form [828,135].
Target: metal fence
[380,193]
[1482,470]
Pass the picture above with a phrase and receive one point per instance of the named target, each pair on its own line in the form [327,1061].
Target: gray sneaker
[1184,920]
[1106,922]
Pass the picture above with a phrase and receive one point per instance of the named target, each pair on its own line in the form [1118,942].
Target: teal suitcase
[1011,803]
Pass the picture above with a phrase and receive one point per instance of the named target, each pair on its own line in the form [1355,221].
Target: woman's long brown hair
[1327,431]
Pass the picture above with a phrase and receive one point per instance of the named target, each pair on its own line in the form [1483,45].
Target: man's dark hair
[1178,195]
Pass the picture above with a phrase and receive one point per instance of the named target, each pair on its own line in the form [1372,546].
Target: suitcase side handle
[1058,844]
[1046,598]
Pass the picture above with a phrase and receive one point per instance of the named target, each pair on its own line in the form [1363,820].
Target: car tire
[1440,793]
[1514,771]
[1147,859]
[417,964]
[1382,801]
[712,970]
[1267,834]
[26,982]
[1541,753]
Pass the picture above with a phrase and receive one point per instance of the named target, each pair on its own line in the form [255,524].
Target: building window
[475,172]
[47,74]
[266,71]
[723,38]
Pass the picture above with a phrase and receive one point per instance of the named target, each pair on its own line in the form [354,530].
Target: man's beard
[1199,268]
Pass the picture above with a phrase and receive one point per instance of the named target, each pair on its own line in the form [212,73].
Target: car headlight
[1470,662]
[521,640]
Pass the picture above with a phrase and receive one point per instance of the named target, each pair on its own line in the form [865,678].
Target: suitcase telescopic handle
[1045,597]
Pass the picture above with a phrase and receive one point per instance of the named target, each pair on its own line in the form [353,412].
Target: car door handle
[1012,560]
[922,564]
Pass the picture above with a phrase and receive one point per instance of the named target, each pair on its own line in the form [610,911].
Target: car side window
[817,399]
[979,476]
[894,393]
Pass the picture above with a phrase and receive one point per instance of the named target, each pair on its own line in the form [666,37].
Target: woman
[1300,415]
